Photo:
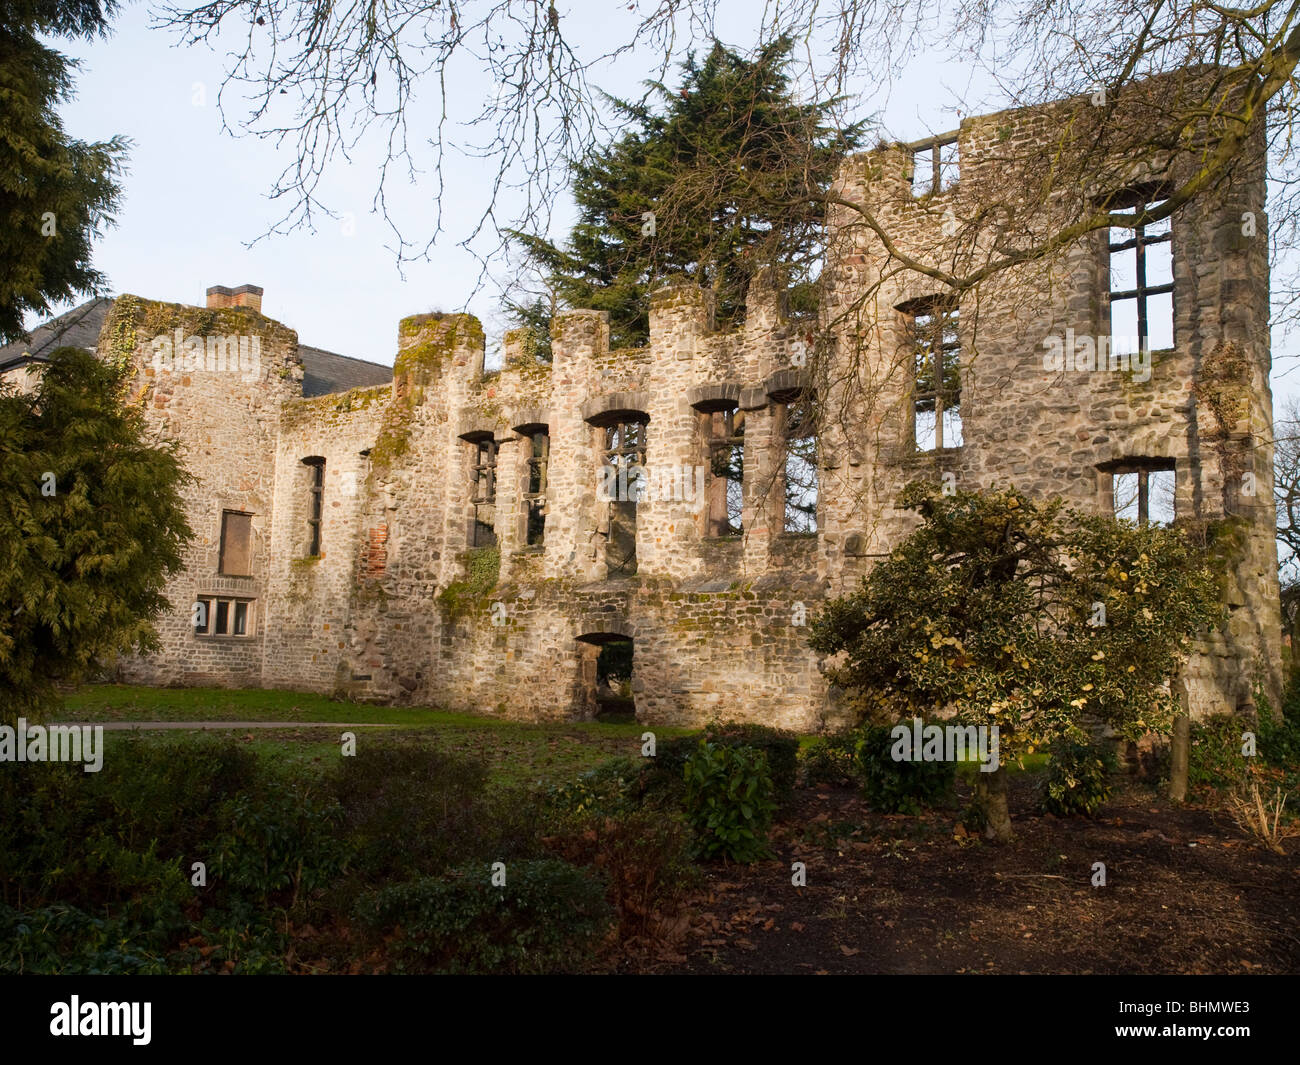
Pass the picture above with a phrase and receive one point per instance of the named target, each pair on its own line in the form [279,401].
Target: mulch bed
[1186,892]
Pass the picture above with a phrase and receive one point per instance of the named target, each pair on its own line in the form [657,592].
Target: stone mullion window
[935,163]
[624,451]
[223,616]
[1143,277]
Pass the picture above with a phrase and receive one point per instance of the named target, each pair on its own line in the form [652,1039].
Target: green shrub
[645,856]
[549,917]
[172,790]
[1215,759]
[1078,778]
[829,759]
[1278,743]
[897,787]
[243,942]
[729,801]
[781,748]
[664,778]
[277,845]
[65,841]
[63,940]
[614,787]
[433,802]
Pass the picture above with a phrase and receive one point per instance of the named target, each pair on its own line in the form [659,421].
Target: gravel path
[118,726]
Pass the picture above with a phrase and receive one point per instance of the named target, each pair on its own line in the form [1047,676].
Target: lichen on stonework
[162,318]
[483,569]
[394,437]
[452,331]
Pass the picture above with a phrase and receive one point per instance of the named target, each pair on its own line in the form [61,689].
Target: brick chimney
[243,296]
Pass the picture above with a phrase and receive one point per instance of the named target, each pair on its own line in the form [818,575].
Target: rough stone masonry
[455,537]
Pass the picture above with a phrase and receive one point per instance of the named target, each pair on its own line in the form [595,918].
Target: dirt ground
[1185,892]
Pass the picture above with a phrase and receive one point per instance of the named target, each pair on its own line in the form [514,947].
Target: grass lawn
[516,753]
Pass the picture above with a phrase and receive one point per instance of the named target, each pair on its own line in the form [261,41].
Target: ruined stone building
[471,539]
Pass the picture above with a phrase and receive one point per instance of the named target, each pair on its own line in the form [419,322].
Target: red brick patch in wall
[377,551]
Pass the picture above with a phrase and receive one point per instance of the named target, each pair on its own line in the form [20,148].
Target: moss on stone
[483,569]
[159,317]
[423,359]
[394,437]
[329,410]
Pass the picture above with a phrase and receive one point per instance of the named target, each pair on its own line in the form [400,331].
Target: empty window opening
[726,489]
[800,468]
[1141,282]
[236,552]
[935,165]
[624,477]
[936,376]
[484,499]
[223,617]
[315,504]
[539,455]
[1143,494]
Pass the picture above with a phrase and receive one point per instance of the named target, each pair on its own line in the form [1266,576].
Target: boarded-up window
[236,544]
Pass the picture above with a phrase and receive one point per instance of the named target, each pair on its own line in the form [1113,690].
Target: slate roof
[78,328]
[323,371]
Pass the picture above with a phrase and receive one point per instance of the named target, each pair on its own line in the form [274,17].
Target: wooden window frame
[945,356]
[213,605]
[1140,201]
[536,477]
[721,448]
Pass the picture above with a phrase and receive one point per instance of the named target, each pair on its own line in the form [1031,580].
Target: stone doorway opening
[606,676]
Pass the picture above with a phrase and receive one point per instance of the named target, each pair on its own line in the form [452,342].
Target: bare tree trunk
[991,797]
[1179,750]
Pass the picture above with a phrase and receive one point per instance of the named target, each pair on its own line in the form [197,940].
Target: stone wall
[398,606]
[225,411]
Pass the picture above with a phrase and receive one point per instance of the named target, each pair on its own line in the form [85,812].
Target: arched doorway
[605,676]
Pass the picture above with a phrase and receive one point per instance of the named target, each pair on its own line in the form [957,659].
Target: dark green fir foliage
[735,170]
[56,193]
[91,525]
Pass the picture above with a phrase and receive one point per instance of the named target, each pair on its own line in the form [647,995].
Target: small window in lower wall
[215,616]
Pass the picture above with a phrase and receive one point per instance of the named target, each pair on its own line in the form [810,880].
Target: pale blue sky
[195,196]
